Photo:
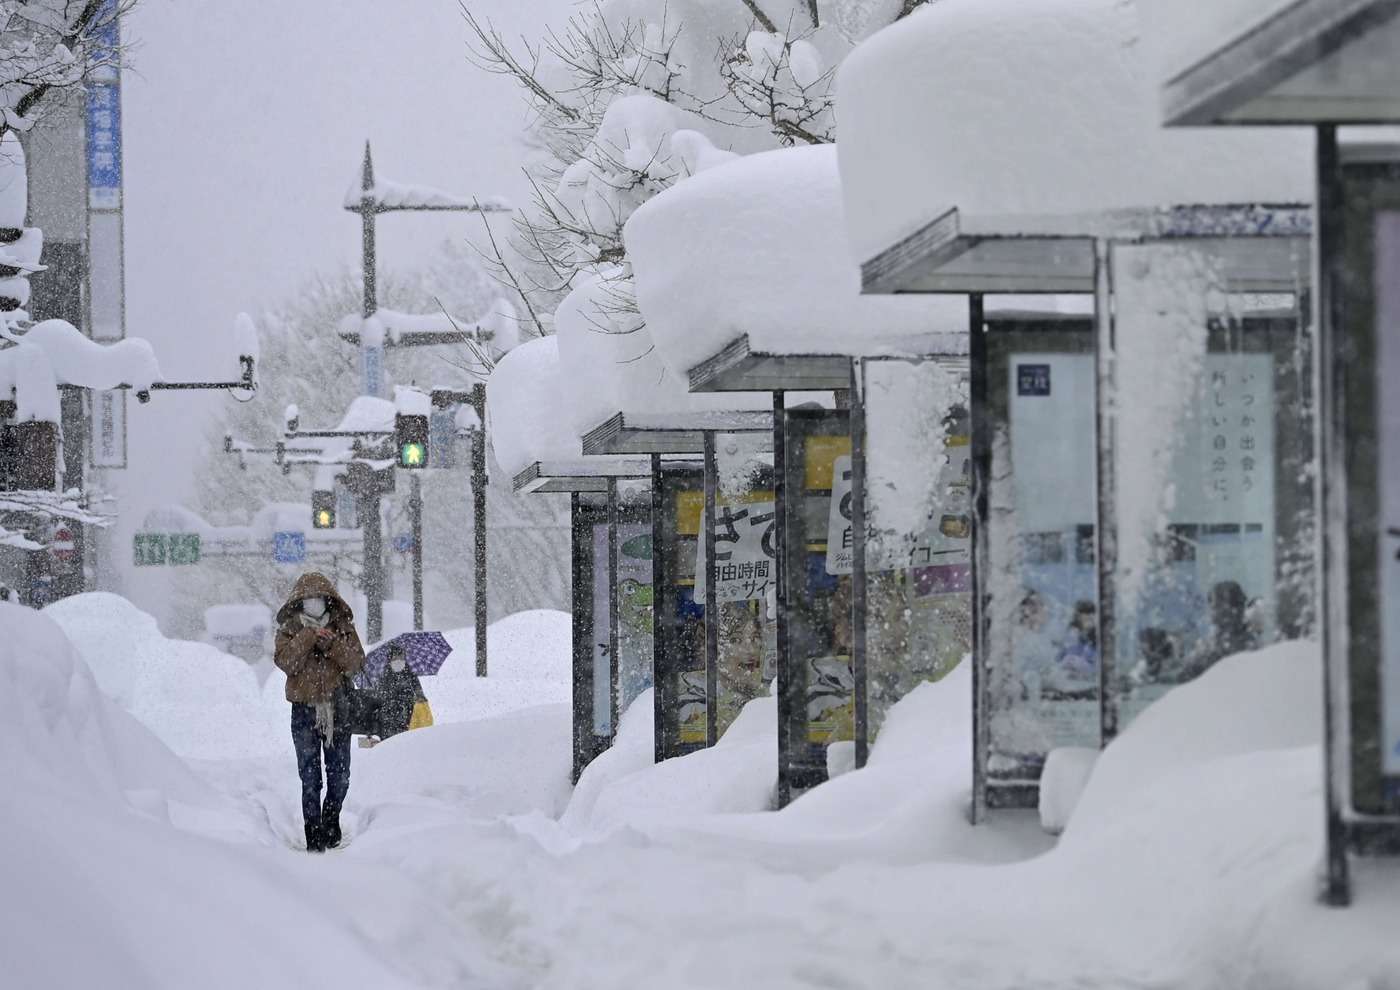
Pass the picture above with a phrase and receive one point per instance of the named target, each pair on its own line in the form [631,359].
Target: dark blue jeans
[309,745]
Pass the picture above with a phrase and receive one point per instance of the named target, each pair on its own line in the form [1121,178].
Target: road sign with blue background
[104,116]
[289,547]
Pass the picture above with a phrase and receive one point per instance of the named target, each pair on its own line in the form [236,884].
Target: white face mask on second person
[396,664]
[314,607]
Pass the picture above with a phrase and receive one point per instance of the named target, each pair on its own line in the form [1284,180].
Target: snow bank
[737,774]
[197,700]
[100,890]
[526,423]
[748,248]
[632,752]
[506,764]
[529,663]
[1269,699]
[1007,107]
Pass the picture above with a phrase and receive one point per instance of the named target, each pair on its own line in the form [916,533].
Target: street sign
[62,546]
[289,547]
[184,548]
[150,549]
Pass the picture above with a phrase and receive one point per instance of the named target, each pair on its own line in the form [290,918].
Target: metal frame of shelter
[672,441]
[738,367]
[1326,63]
[591,485]
[1255,247]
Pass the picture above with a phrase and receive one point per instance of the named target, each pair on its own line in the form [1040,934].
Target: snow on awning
[1029,108]
[751,250]
[527,420]
[615,366]
[1279,61]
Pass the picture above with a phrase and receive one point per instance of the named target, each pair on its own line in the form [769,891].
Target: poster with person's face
[602,638]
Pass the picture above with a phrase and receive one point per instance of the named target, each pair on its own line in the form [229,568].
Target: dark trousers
[309,745]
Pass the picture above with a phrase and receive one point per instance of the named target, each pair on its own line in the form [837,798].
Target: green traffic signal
[413,455]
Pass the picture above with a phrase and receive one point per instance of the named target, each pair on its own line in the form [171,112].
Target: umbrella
[424,652]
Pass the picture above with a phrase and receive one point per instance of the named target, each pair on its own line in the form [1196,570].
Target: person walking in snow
[400,692]
[319,650]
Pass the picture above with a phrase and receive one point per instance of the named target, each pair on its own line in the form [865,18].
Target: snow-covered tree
[631,96]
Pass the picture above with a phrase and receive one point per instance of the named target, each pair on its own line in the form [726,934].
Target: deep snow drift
[1189,859]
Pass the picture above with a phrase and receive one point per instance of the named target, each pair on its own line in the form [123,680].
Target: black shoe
[330,832]
[315,838]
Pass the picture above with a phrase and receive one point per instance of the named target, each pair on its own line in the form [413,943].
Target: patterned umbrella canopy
[425,653]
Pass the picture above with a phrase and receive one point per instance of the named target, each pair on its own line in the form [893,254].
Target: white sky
[244,125]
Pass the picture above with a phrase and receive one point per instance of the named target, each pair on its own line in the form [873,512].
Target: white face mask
[314,607]
[396,664]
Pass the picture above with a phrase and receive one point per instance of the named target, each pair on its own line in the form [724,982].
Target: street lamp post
[371,202]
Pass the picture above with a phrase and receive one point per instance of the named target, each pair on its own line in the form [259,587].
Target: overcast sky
[244,125]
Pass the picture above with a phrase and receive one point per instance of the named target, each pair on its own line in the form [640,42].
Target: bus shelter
[686,636]
[537,445]
[594,598]
[1328,63]
[783,316]
[1180,368]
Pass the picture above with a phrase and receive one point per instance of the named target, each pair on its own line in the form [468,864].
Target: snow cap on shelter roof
[1033,107]
[754,247]
[523,404]
[613,361]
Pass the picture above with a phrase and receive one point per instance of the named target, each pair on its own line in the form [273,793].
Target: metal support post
[712,617]
[415,517]
[371,528]
[1106,516]
[859,588]
[780,596]
[1330,371]
[479,482]
[614,622]
[980,420]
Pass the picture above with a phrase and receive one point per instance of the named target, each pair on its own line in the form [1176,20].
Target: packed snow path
[470,862]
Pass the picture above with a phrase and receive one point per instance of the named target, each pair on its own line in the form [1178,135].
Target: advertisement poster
[1387,282]
[602,644]
[745,553]
[1043,688]
[826,598]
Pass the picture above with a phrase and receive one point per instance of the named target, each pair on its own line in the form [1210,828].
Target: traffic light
[411,439]
[322,510]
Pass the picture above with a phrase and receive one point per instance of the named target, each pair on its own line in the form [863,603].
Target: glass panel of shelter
[592,728]
[1213,472]
[1365,440]
[679,647]
[633,620]
[916,504]
[816,697]
[1039,680]
[745,572]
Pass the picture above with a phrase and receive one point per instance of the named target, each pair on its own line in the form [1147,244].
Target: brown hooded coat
[315,665]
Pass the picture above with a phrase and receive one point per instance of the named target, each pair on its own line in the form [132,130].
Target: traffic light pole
[415,516]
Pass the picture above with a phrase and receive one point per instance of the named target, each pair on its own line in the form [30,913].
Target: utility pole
[368,206]
[479,482]
[415,515]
